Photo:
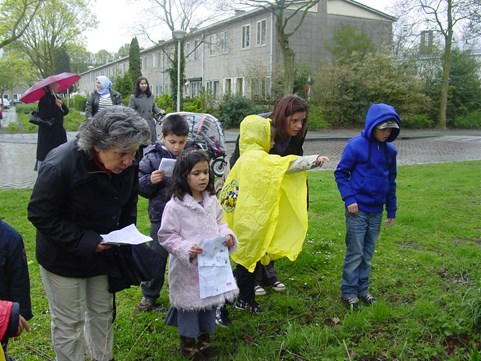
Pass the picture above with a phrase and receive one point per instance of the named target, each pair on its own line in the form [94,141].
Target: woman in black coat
[50,106]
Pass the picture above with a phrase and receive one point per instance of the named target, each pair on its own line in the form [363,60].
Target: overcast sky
[118,20]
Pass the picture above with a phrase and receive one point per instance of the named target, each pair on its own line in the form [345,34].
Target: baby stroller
[207,134]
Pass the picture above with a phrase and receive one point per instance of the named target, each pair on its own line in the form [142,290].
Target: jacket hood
[255,134]
[379,113]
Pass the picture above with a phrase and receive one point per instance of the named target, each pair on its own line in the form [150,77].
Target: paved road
[17,151]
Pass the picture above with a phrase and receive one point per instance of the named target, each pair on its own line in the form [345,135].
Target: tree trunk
[448,38]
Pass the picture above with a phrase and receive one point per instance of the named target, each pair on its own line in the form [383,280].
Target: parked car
[6,103]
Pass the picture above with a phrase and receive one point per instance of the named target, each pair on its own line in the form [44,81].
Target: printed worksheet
[127,235]
[167,165]
[215,271]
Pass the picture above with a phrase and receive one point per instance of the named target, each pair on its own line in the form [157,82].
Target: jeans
[151,289]
[362,232]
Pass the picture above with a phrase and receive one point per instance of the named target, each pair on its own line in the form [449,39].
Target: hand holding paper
[127,235]
[167,165]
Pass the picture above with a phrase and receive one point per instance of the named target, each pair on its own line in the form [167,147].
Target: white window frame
[246,36]
[213,44]
[261,32]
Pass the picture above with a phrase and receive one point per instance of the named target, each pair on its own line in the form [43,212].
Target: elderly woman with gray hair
[85,188]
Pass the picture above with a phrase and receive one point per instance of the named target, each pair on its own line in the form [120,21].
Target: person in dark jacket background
[153,185]
[50,106]
[103,96]
[85,188]
[14,276]
[366,179]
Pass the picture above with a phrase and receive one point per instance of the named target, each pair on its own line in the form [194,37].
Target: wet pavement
[17,151]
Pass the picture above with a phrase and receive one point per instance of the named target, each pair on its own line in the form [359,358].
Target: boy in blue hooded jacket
[366,179]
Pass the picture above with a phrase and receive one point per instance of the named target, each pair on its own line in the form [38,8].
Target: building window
[223,46]
[197,49]
[187,50]
[213,87]
[246,36]
[227,86]
[213,44]
[239,86]
[261,32]
[196,88]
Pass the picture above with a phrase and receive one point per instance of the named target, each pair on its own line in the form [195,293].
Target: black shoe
[253,307]
[351,303]
[222,317]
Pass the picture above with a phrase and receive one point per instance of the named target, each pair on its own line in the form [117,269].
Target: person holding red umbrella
[50,106]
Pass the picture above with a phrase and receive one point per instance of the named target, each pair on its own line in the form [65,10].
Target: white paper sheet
[167,165]
[126,235]
[215,272]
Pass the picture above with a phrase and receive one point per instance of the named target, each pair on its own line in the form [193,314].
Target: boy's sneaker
[279,287]
[253,307]
[148,305]
[222,317]
[260,291]
[368,299]
[351,303]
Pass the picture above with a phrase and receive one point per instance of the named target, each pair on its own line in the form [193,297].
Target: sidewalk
[327,134]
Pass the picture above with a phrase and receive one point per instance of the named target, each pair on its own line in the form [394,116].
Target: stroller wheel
[219,166]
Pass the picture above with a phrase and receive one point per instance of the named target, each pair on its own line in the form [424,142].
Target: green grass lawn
[426,276]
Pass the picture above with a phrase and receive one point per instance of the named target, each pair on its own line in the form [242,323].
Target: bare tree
[15,17]
[445,17]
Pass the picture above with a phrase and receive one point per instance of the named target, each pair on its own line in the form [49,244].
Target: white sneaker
[260,291]
[279,287]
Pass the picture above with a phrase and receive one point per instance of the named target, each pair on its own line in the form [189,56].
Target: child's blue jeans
[362,232]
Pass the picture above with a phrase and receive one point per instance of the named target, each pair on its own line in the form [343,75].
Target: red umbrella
[36,91]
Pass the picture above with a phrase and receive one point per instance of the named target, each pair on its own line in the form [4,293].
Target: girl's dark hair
[178,186]
[285,107]
[137,87]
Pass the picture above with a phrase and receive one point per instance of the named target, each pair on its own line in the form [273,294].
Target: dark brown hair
[285,107]
[179,186]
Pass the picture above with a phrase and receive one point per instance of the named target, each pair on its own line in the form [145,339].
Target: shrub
[77,102]
[472,120]
[72,121]
[25,108]
[165,102]
[418,121]
[316,118]
[233,109]
[193,105]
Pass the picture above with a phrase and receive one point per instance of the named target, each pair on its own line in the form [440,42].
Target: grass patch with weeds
[425,274]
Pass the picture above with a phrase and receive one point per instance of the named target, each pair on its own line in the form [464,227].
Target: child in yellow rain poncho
[264,200]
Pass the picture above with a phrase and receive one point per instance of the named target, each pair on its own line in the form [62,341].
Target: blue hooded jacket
[366,173]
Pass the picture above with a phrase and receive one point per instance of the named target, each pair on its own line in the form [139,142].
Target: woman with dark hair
[50,106]
[144,103]
[289,118]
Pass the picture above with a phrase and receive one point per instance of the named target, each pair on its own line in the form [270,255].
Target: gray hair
[114,126]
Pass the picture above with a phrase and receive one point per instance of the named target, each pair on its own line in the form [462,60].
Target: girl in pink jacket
[193,215]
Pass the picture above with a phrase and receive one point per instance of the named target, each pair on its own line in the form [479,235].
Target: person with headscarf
[50,106]
[103,97]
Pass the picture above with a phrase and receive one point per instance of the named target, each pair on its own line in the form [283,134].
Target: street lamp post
[178,35]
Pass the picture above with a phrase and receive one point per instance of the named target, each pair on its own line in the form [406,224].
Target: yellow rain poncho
[265,207]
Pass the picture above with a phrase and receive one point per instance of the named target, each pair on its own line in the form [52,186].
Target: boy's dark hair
[175,124]
[178,186]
